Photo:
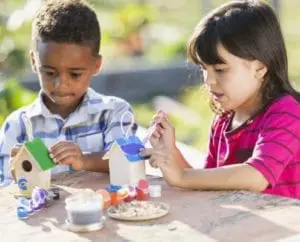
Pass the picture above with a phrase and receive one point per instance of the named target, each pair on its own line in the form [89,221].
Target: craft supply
[22,213]
[154,191]
[149,133]
[84,211]
[142,195]
[39,198]
[105,196]
[53,194]
[131,193]
[138,211]
[115,198]
[126,165]
[142,190]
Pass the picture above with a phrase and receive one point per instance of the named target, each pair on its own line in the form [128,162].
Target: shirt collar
[92,103]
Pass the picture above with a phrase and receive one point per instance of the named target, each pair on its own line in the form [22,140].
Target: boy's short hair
[67,21]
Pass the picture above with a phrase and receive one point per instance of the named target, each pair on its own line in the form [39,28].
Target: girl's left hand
[67,153]
[165,159]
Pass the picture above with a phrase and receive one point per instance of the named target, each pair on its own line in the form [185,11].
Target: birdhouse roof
[40,153]
[130,147]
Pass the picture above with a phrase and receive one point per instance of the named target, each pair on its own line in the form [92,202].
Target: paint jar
[131,193]
[115,198]
[84,211]
[154,191]
[105,196]
[142,194]
[142,190]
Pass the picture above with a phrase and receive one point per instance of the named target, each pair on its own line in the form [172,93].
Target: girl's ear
[260,70]
[32,61]
[98,66]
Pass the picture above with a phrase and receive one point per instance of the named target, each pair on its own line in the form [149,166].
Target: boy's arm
[10,135]
[95,162]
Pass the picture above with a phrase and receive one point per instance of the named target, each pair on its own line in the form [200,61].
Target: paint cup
[84,209]
[154,191]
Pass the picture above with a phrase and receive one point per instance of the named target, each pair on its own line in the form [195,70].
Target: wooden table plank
[194,216]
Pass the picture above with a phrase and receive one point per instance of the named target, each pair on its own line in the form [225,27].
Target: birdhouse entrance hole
[26,165]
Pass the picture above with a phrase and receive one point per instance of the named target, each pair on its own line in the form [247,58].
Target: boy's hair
[249,30]
[67,21]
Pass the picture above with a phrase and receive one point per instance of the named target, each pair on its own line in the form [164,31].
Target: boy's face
[64,71]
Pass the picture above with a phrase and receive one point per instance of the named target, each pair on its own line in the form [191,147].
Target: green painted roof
[40,152]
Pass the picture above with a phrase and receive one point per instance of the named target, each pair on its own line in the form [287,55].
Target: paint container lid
[113,188]
[155,191]
[22,213]
[143,184]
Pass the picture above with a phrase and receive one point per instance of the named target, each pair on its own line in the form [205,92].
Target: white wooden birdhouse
[126,167]
[31,167]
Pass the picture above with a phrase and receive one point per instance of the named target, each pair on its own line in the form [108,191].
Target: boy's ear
[98,66]
[32,61]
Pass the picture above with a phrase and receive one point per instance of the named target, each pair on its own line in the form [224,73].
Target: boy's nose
[61,81]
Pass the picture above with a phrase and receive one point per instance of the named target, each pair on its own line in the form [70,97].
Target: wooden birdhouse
[31,167]
[126,167]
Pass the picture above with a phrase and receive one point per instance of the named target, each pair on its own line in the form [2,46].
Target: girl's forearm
[234,177]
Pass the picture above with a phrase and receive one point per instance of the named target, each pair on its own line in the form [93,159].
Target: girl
[255,138]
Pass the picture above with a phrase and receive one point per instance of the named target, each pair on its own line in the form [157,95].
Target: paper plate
[114,212]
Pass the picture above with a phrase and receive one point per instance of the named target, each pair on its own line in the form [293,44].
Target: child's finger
[63,153]
[165,123]
[153,163]
[61,147]
[156,134]
[60,144]
[15,150]
[146,152]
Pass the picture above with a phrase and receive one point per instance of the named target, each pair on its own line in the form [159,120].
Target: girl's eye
[219,70]
[75,75]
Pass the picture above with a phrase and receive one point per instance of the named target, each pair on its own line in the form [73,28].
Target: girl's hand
[165,159]
[164,134]
[67,153]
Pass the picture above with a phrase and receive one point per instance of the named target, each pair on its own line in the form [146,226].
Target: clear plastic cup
[84,208]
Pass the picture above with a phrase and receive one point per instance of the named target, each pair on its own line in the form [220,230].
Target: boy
[76,123]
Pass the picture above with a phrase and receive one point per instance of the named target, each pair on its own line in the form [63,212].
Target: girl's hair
[251,31]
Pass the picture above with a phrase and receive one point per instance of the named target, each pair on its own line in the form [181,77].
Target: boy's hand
[14,151]
[167,160]
[67,153]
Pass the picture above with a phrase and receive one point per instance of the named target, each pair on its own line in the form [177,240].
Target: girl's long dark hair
[249,30]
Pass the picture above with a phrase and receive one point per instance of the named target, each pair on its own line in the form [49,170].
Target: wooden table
[194,216]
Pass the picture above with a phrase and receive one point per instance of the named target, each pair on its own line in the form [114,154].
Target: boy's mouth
[62,94]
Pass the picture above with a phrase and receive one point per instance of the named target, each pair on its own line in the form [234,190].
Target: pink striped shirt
[270,142]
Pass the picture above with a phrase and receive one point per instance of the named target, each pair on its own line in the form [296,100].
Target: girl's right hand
[164,134]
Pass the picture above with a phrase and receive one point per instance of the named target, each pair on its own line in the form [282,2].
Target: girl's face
[236,84]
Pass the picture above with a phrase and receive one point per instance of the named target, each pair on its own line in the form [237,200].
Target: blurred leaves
[14,96]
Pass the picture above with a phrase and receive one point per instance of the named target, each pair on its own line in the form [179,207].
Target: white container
[154,191]
[84,211]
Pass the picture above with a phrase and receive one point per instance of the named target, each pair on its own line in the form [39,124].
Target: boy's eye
[75,75]
[49,73]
